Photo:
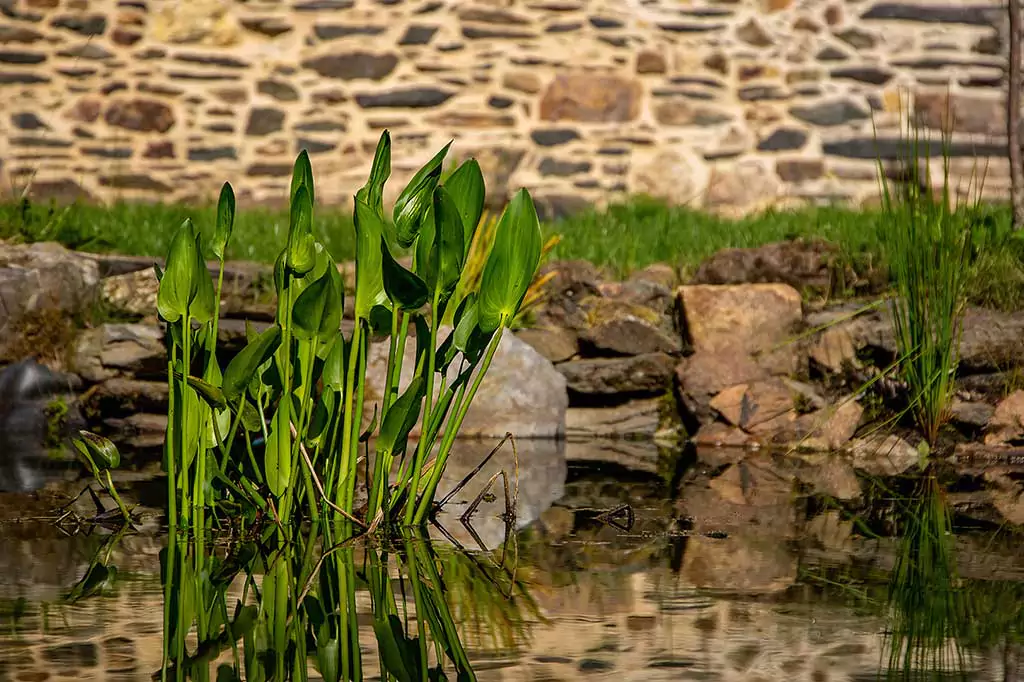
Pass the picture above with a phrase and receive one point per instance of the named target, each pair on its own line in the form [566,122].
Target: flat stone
[404,98]
[270,26]
[522,81]
[627,334]
[640,374]
[418,35]
[591,98]
[139,431]
[28,121]
[830,474]
[554,137]
[84,24]
[634,420]
[279,90]
[973,414]
[135,181]
[212,153]
[125,396]
[335,31]
[19,34]
[783,139]
[134,292]
[552,167]
[554,343]
[353,65]
[961,113]
[863,74]
[20,57]
[120,350]
[679,111]
[1007,422]
[800,170]
[832,112]
[883,455]
[831,428]
[264,121]
[745,185]
[755,406]
[719,435]
[932,14]
[141,115]
[650,62]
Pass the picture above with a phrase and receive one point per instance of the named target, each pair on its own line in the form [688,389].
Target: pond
[609,574]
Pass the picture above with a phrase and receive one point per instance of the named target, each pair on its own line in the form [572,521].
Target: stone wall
[729,104]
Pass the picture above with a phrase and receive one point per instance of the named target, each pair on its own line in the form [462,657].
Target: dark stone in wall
[412,98]
[211,153]
[556,206]
[86,51]
[489,15]
[28,121]
[31,141]
[564,27]
[269,170]
[320,127]
[418,35]
[159,150]
[857,38]
[335,31]
[604,22]
[134,181]
[783,139]
[934,14]
[19,34]
[799,170]
[87,25]
[481,33]
[864,74]
[687,27]
[318,5]
[352,65]
[832,54]
[126,37]
[758,93]
[263,121]
[831,112]
[499,102]
[558,168]
[15,57]
[894,148]
[553,137]
[140,115]
[279,90]
[314,146]
[211,60]
[268,26]
[108,152]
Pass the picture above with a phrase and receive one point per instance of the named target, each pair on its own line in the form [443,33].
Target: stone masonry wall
[727,104]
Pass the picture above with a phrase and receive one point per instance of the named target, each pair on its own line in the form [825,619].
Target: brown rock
[961,113]
[554,343]
[799,170]
[678,111]
[1007,424]
[746,185]
[719,435]
[85,110]
[705,374]
[159,150]
[832,428]
[634,420]
[829,474]
[113,350]
[640,374]
[798,263]
[675,174]
[140,115]
[626,334]
[883,455]
[649,62]
[754,34]
[353,65]
[761,406]
[522,81]
[592,98]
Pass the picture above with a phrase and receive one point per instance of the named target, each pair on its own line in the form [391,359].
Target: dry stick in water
[318,484]
[462,484]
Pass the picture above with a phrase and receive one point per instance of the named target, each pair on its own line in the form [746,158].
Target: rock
[1007,422]
[832,350]
[522,393]
[404,98]
[41,281]
[803,265]
[674,174]
[140,431]
[830,532]
[704,374]
[634,420]
[626,334]
[744,186]
[719,435]
[634,456]
[120,350]
[661,274]
[883,455]
[264,121]
[353,65]
[591,98]
[783,139]
[141,115]
[763,406]
[829,474]
[748,318]
[1007,496]
[831,112]
[124,396]
[799,170]
[974,415]
[832,428]
[133,292]
[554,343]
[648,374]
[569,293]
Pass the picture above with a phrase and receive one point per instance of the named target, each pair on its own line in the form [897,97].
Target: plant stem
[347,461]
[422,445]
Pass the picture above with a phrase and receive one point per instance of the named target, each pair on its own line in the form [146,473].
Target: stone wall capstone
[732,105]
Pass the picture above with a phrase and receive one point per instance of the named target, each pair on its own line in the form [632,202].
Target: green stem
[423,506]
[358,415]
[421,446]
[186,368]
[117,498]
[347,464]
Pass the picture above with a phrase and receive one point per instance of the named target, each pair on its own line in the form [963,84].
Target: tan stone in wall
[735,105]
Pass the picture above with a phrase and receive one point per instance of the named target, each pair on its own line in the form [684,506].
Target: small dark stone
[159,150]
[30,141]
[932,14]
[87,25]
[832,54]
[212,60]
[895,149]
[854,37]
[335,31]
[430,7]
[141,115]
[831,113]
[564,27]
[28,121]
[783,139]
[124,36]
[268,26]
[134,181]
[263,121]
[13,57]
[935,63]
[320,127]
[864,74]
[79,72]
[758,93]
[111,88]
[418,35]
[558,168]
[220,128]
[71,656]
[352,65]
[799,170]
[991,44]
[202,76]
[313,146]
[484,33]
[279,90]
[594,665]
[685,27]
[412,98]
[19,34]
[108,152]
[269,170]
[212,153]
[488,15]
[605,22]
[553,137]
[318,5]
[499,102]
[553,207]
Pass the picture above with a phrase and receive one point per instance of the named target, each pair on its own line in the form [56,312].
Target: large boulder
[804,265]
[522,392]
[633,376]
[120,350]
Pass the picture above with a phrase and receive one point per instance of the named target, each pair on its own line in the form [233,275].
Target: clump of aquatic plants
[279,428]
[928,240]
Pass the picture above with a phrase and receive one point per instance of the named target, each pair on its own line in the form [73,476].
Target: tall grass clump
[926,236]
[280,427]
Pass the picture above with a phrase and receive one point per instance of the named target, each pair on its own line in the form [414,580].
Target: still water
[604,579]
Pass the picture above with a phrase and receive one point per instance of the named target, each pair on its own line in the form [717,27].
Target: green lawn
[623,238]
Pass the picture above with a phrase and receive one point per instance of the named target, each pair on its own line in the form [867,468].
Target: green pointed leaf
[405,289]
[466,186]
[97,450]
[244,366]
[225,221]
[369,282]
[379,173]
[391,650]
[204,304]
[448,241]
[466,322]
[301,245]
[401,418]
[511,264]
[213,395]
[277,462]
[186,287]
[316,313]
[415,198]
[302,176]
[333,374]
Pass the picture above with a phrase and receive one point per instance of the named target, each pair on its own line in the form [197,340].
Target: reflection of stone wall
[730,104]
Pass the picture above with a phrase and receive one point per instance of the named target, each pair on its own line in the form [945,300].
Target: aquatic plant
[281,427]
[928,246]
